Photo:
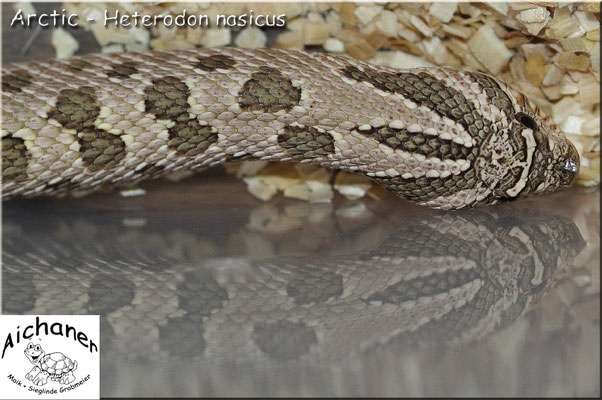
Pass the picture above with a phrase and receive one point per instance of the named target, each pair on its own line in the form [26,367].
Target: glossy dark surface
[205,291]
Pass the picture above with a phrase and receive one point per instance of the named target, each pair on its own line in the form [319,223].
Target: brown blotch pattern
[269,90]
[306,142]
[167,99]
[428,286]
[426,90]
[492,89]
[14,159]
[420,239]
[211,63]
[78,109]
[429,146]
[16,81]
[122,70]
[460,320]
[312,284]
[284,340]
[199,294]
[100,148]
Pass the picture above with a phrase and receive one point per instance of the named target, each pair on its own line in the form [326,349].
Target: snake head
[531,156]
[530,252]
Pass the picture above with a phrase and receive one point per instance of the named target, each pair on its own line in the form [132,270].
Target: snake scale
[440,137]
[442,277]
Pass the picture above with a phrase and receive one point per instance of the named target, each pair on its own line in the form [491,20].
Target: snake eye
[526,121]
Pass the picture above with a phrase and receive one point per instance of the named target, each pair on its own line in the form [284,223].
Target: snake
[437,136]
[436,278]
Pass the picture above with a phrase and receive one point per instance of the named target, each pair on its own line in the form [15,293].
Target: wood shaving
[217,37]
[333,45]
[443,11]
[352,186]
[65,44]
[489,49]
[251,38]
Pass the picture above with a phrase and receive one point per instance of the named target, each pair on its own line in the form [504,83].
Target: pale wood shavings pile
[550,50]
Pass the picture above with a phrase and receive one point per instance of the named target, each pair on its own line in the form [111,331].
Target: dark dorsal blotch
[191,138]
[420,240]
[78,109]
[122,70]
[15,81]
[122,291]
[15,158]
[427,286]
[417,142]
[311,284]
[284,340]
[100,149]
[167,99]
[306,142]
[424,89]
[269,90]
[461,320]
[19,291]
[200,295]
[182,337]
[211,63]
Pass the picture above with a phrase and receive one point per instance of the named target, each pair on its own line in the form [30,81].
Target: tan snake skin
[436,136]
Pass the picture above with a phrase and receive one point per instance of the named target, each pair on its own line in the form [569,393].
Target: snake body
[436,136]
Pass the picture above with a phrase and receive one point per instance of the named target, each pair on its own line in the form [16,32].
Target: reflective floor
[205,291]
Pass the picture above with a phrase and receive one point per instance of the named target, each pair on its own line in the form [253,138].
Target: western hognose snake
[436,136]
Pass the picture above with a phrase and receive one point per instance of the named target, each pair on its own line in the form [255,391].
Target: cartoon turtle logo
[55,366]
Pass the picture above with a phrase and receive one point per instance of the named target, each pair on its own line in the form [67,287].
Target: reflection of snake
[436,136]
[442,277]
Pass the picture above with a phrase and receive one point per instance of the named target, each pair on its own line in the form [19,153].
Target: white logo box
[50,357]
